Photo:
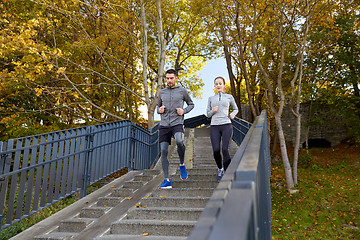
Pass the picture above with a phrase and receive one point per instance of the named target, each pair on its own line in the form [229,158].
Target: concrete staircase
[134,207]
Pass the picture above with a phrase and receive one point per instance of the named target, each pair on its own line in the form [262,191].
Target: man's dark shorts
[165,133]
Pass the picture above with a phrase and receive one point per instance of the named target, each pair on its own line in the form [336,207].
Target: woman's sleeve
[209,111]
[233,105]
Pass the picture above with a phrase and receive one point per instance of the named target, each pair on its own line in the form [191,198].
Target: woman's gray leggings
[164,148]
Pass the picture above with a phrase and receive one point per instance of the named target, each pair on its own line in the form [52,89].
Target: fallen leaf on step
[129,198]
[163,196]
[112,187]
[145,234]
[105,205]
[139,206]
[86,202]
[147,197]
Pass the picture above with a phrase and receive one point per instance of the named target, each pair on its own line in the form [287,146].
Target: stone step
[143,178]
[210,183]
[204,177]
[108,201]
[165,213]
[55,236]
[153,227]
[74,225]
[192,171]
[122,192]
[182,192]
[200,177]
[204,165]
[181,202]
[138,237]
[151,172]
[134,184]
[93,212]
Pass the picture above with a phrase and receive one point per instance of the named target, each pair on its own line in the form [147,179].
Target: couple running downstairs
[170,107]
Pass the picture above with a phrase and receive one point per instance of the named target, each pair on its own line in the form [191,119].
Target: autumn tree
[333,62]
[96,61]
[264,44]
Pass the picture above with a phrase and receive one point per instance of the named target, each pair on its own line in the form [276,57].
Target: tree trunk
[271,96]
[144,43]
[232,77]
[296,113]
[284,155]
[243,65]
[151,120]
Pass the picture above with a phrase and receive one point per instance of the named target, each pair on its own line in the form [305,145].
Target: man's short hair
[171,71]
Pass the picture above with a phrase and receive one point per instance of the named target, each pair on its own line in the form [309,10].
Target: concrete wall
[326,126]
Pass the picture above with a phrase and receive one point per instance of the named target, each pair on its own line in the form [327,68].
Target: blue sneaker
[165,185]
[220,174]
[183,173]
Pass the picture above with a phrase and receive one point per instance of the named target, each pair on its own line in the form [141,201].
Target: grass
[327,205]
[20,226]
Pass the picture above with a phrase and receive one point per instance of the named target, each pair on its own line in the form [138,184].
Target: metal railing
[37,171]
[240,207]
[240,126]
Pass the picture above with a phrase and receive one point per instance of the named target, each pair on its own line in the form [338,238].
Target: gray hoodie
[223,101]
[173,98]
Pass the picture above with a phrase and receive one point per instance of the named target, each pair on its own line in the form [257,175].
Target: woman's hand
[215,109]
[180,111]
[232,116]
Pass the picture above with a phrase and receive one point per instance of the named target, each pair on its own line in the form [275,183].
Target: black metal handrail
[37,171]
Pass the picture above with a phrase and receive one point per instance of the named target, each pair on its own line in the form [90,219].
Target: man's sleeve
[159,103]
[189,102]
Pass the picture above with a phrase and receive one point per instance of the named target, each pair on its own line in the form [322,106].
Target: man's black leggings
[224,132]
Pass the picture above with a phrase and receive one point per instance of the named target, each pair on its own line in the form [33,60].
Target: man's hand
[232,116]
[215,109]
[180,111]
[162,109]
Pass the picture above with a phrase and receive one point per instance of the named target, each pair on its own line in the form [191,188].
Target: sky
[212,69]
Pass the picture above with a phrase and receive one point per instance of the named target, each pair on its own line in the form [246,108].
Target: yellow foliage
[38,91]
[61,70]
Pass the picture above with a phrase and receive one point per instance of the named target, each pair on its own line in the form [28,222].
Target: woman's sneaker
[220,174]
[166,184]
[183,173]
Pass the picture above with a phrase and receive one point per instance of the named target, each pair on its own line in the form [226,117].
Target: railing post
[132,147]
[2,159]
[89,138]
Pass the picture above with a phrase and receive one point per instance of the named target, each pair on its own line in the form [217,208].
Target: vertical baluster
[77,159]
[71,173]
[45,190]
[14,182]
[94,162]
[30,185]
[39,174]
[23,177]
[6,163]
[112,153]
[65,164]
[97,153]
[53,168]
[59,165]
